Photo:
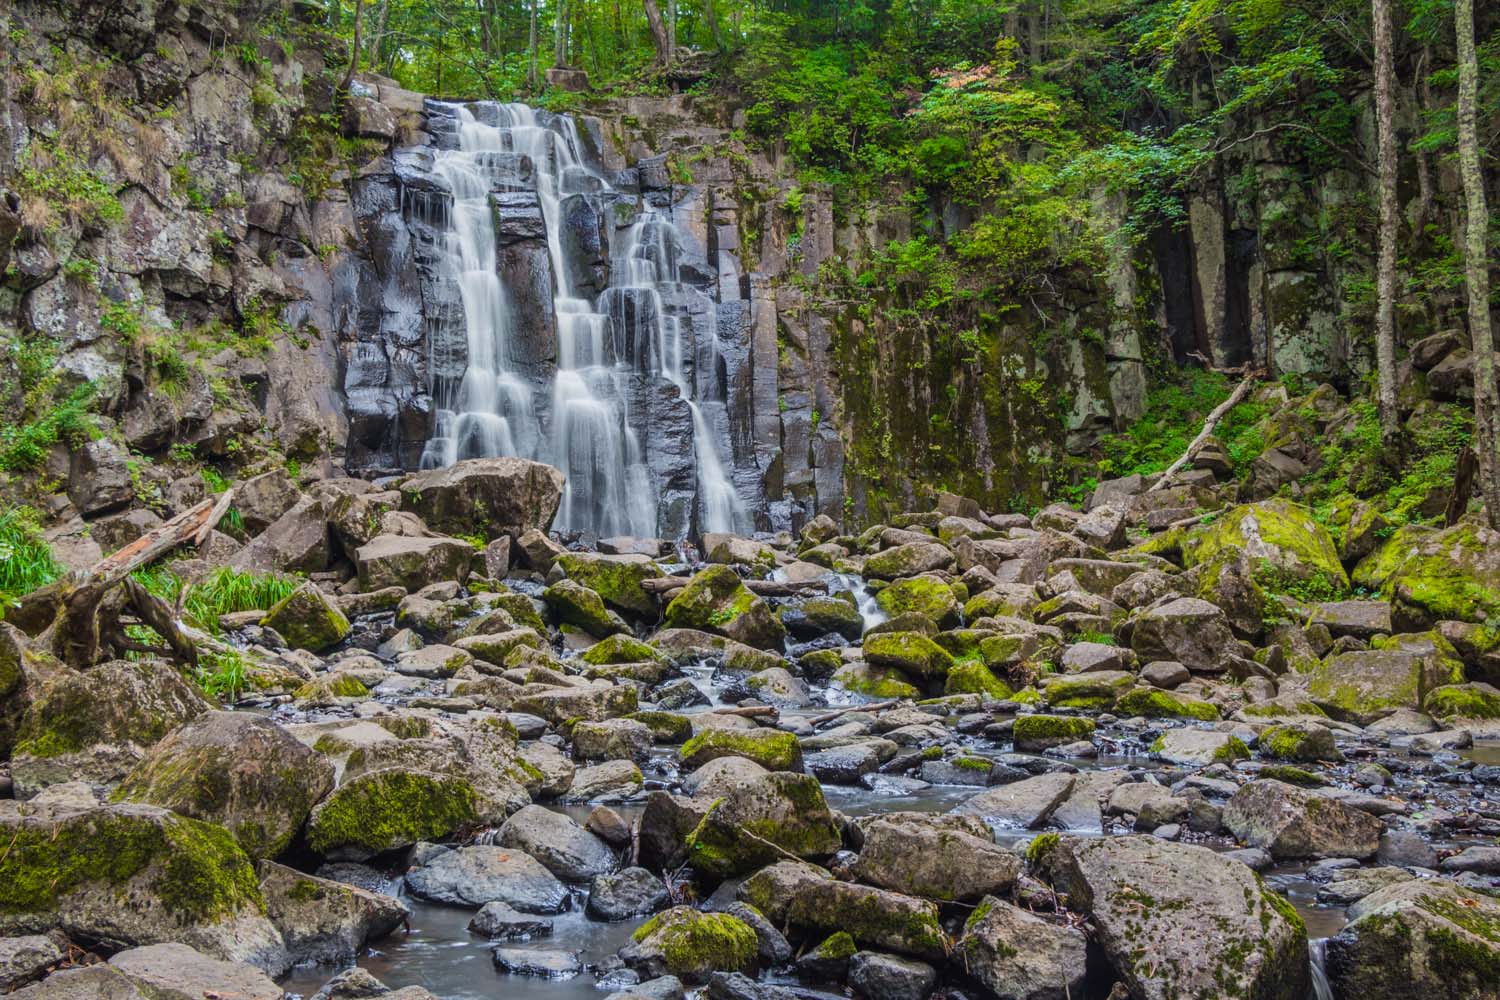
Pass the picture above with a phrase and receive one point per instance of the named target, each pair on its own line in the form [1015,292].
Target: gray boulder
[487,496]
[412,563]
[1293,822]
[566,849]
[947,858]
[890,977]
[1190,631]
[323,921]
[480,874]
[1017,955]
[630,893]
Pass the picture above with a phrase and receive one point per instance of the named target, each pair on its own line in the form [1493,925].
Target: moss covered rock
[1288,548]
[134,875]
[910,652]
[947,858]
[95,726]
[875,918]
[715,600]
[666,727]
[1463,701]
[620,648]
[1453,574]
[237,770]
[875,682]
[616,579]
[691,945]
[1156,704]
[770,748]
[818,616]
[1360,686]
[763,819]
[908,560]
[1096,691]
[1292,822]
[1299,742]
[973,677]
[1419,938]
[925,595]
[1043,732]
[327,690]
[390,808]
[307,619]
[577,605]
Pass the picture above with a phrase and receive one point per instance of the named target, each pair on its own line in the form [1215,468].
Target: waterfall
[1317,950]
[613,346]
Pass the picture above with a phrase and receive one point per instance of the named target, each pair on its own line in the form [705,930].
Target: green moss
[1466,701]
[666,727]
[306,619]
[693,944]
[771,749]
[1051,730]
[332,745]
[1447,575]
[924,595]
[1040,848]
[875,683]
[331,686]
[1292,776]
[1156,704]
[617,581]
[972,763]
[837,947]
[1272,710]
[973,677]
[910,652]
[1292,552]
[1095,691]
[195,868]
[620,649]
[1235,749]
[389,808]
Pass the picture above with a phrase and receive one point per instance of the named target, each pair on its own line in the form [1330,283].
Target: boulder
[486,496]
[1018,955]
[1418,938]
[760,820]
[813,617]
[262,499]
[715,600]
[908,559]
[501,920]
[307,619]
[1463,701]
[99,478]
[1150,902]
[566,849]
[393,807]
[1453,574]
[480,874]
[616,579]
[1199,747]
[1187,630]
[296,542]
[1020,805]
[947,858]
[1283,541]
[95,726]
[1034,733]
[925,595]
[574,604]
[68,867]
[600,700]
[30,956]
[1362,685]
[322,921]
[770,748]
[173,971]
[691,945]
[612,739]
[237,770]
[890,977]
[412,563]
[631,893]
[1292,822]
[874,918]
[912,653]
[1299,742]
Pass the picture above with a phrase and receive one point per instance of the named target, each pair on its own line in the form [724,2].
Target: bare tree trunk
[1385,272]
[560,39]
[531,81]
[377,37]
[658,32]
[1476,268]
[671,32]
[359,10]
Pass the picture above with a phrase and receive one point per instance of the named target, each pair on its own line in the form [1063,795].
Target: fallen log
[874,706]
[749,711]
[1209,424]
[763,588]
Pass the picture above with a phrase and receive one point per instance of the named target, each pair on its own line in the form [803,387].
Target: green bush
[26,560]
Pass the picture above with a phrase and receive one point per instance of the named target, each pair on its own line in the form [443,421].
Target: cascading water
[611,352]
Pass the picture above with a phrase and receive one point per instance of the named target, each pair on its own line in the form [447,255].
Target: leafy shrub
[26,560]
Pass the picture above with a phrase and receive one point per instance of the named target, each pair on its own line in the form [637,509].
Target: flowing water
[612,352]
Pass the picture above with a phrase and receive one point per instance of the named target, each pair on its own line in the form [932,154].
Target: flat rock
[1292,822]
[479,874]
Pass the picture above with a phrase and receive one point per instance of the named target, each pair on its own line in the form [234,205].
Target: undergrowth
[222,592]
[26,560]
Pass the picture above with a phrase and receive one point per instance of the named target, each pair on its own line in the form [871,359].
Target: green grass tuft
[26,560]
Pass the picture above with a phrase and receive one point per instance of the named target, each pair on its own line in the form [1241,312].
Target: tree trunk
[1385,273]
[1476,268]
[712,18]
[531,82]
[359,10]
[671,32]
[560,39]
[659,37]
[377,37]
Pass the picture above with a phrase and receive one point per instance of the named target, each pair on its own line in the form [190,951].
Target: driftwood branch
[750,711]
[1214,417]
[877,706]
[763,588]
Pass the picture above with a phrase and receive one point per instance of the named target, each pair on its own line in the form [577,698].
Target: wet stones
[480,874]
[760,820]
[947,858]
[566,849]
[489,496]
[630,893]
[1187,630]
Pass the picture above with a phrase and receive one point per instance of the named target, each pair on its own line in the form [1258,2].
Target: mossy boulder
[908,560]
[716,600]
[1361,686]
[491,649]
[1418,938]
[772,889]
[770,748]
[577,605]
[621,648]
[94,726]
[616,579]
[875,918]
[761,820]
[1463,701]
[912,653]
[1015,953]
[133,875]
[307,619]
[691,945]
[926,595]
[946,858]
[1298,742]
[1453,574]
[1199,747]
[411,563]
[666,727]
[973,677]
[327,690]
[875,682]
[237,770]
[1156,704]
[819,616]
[1096,691]
[600,700]
[1290,550]
[385,809]
[1043,732]
[1178,920]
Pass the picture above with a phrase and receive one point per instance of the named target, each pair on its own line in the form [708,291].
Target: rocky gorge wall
[224,266]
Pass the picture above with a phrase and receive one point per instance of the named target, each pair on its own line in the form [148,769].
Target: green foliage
[221,674]
[26,560]
[222,592]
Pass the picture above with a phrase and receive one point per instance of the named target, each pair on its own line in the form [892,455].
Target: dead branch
[878,706]
[1214,417]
